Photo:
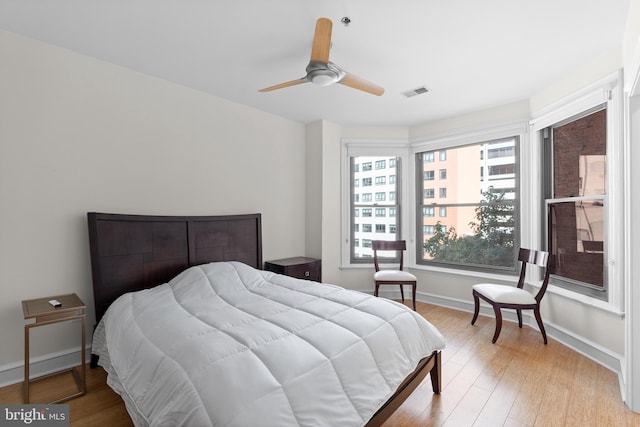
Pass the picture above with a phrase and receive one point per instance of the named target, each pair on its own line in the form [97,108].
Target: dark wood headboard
[134,252]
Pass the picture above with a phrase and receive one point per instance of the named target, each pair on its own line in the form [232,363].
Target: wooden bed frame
[134,252]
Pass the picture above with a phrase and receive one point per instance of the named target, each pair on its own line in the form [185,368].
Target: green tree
[492,241]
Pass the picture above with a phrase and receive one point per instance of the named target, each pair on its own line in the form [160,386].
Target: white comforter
[227,345]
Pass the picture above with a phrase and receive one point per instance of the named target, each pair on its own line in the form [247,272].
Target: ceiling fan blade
[359,83]
[286,84]
[322,40]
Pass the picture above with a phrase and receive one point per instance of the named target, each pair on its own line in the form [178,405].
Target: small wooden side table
[71,308]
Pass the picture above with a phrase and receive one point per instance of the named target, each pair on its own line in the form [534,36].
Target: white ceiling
[470,54]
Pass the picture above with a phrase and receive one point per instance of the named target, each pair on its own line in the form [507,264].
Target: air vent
[417,91]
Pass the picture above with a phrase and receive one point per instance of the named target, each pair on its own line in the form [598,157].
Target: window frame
[511,131]
[607,91]
[370,148]
[549,199]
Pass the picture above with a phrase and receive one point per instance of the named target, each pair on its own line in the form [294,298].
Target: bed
[192,331]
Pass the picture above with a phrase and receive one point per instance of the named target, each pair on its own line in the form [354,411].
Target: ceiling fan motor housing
[323,74]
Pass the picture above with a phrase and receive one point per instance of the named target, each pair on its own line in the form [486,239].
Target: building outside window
[382,226]
[477,223]
[574,186]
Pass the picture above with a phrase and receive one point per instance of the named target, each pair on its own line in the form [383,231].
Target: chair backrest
[388,245]
[533,257]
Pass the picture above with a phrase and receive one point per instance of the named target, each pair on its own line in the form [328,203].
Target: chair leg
[375,291]
[476,310]
[536,312]
[519,312]
[413,289]
[402,293]
[498,313]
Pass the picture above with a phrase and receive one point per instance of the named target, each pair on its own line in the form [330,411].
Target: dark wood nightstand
[71,308]
[299,267]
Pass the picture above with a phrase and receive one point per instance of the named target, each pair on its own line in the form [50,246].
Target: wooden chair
[393,277]
[514,297]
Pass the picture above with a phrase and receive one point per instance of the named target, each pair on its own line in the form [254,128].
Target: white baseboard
[42,365]
[575,342]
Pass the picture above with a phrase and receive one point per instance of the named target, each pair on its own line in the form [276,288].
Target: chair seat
[504,294]
[391,275]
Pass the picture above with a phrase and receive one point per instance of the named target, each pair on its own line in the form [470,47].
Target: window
[495,153]
[501,169]
[574,188]
[583,218]
[476,228]
[428,157]
[443,155]
[429,175]
[378,209]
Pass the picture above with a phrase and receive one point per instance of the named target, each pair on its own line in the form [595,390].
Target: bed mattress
[225,344]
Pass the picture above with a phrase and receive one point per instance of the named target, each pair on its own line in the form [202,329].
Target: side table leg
[25,385]
[84,357]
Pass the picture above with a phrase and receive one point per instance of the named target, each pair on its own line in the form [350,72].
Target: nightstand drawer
[298,267]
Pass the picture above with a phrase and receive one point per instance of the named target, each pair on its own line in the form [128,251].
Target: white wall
[79,135]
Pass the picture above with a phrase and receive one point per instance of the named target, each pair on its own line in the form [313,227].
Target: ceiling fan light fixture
[323,77]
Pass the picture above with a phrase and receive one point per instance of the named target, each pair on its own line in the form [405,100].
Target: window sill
[585,300]
[552,289]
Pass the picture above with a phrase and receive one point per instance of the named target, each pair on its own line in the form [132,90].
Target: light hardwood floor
[516,382]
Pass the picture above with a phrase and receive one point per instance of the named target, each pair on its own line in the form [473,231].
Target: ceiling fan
[321,71]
